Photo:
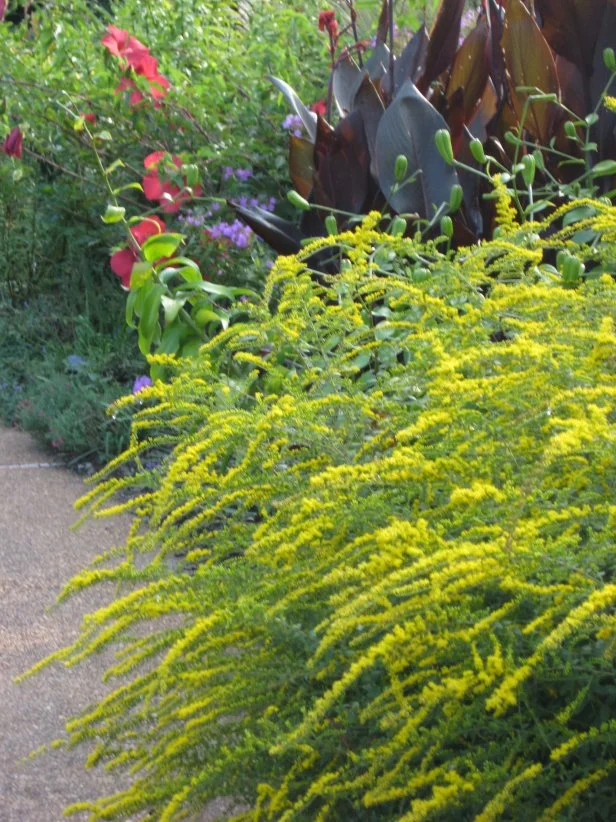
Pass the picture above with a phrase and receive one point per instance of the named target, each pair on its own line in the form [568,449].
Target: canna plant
[524,92]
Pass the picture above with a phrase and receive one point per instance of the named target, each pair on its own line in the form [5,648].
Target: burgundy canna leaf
[470,69]
[444,39]
[572,28]
[530,63]
[301,164]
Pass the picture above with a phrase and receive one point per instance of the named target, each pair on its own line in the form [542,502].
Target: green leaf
[127,187]
[116,164]
[171,307]
[604,169]
[140,275]
[408,127]
[113,214]
[161,245]
[148,321]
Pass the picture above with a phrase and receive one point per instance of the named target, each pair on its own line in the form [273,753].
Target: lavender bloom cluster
[236,232]
[140,383]
[293,123]
[242,174]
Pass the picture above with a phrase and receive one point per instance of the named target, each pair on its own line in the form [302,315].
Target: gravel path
[38,554]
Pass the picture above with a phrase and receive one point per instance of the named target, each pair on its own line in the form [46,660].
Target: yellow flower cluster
[380,528]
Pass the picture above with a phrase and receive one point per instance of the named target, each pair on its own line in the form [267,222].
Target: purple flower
[140,383]
[236,233]
[243,174]
[293,122]
[227,173]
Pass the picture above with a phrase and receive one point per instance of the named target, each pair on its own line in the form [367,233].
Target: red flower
[88,116]
[2,9]
[121,44]
[156,188]
[319,108]
[13,143]
[122,261]
[136,56]
[327,20]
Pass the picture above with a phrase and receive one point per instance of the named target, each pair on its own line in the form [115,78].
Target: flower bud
[297,200]
[400,168]
[570,130]
[398,227]
[447,226]
[476,148]
[442,139]
[609,58]
[331,226]
[528,169]
[455,198]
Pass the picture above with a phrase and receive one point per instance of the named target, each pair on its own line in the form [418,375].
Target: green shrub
[373,575]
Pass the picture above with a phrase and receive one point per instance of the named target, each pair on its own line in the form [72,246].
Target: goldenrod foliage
[383,526]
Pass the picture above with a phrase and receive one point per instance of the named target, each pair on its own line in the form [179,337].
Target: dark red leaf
[368,102]
[301,164]
[443,41]
[382,30]
[572,86]
[470,69]
[281,235]
[529,62]
[342,166]
[572,27]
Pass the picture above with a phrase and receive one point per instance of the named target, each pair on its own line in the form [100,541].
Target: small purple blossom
[236,233]
[227,173]
[293,123]
[140,383]
[243,174]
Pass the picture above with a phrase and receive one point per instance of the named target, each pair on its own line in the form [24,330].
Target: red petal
[143,63]
[152,186]
[115,39]
[153,159]
[147,228]
[122,264]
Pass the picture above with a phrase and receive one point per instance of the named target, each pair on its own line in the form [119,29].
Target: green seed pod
[570,130]
[400,168]
[528,170]
[331,225]
[398,227]
[298,201]
[476,147]
[455,198]
[447,226]
[609,58]
[442,139]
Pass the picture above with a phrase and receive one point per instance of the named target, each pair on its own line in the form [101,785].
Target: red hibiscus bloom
[319,108]
[123,45]
[156,188]
[13,143]
[134,55]
[122,261]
